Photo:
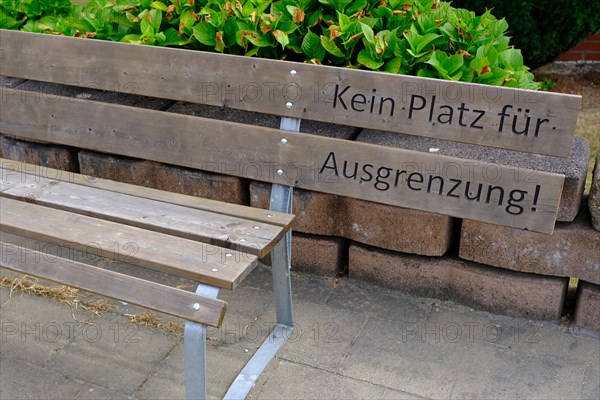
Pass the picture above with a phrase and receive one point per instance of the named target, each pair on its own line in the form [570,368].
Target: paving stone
[475,285]
[571,251]
[574,168]
[524,376]
[591,384]
[321,339]
[313,383]
[95,392]
[587,314]
[260,119]
[46,155]
[165,177]
[223,365]
[21,380]
[594,197]
[26,332]
[128,351]
[318,255]
[355,296]
[386,353]
[388,227]
[521,335]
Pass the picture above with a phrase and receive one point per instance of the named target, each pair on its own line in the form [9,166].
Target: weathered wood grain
[479,114]
[189,223]
[234,210]
[201,262]
[151,295]
[303,161]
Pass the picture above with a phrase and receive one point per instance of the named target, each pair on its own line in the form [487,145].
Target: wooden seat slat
[234,210]
[218,229]
[202,262]
[155,296]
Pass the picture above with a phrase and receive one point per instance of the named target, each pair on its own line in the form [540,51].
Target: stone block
[397,228]
[587,313]
[93,91]
[316,213]
[574,167]
[475,285]
[573,250]
[388,227]
[165,177]
[318,255]
[46,155]
[594,198]
[260,119]
[9,82]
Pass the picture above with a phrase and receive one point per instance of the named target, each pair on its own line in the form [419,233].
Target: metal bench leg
[281,200]
[281,259]
[194,352]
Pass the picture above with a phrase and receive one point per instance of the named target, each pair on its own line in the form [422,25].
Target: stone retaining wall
[485,266]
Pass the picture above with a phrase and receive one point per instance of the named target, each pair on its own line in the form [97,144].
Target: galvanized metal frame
[194,351]
[195,334]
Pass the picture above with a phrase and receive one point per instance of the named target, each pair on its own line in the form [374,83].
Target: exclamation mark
[535,197]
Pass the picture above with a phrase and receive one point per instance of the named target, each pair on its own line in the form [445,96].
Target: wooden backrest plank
[216,229]
[201,262]
[531,121]
[508,195]
[234,210]
[151,295]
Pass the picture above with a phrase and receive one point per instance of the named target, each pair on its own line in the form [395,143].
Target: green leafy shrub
[542,29]
[427,38]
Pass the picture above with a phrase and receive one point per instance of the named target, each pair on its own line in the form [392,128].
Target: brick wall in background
[587,50]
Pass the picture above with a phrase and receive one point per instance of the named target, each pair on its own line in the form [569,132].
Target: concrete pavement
[353,341]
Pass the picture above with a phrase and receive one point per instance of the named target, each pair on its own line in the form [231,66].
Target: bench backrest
[521,120]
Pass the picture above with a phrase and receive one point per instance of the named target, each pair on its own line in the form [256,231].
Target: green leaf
[447,66]
[356,6]
[7,22]
[480,66]
[252,52]
[205,33]
[229,31]
[282,38]
[159,5]
[312,48]
[345,22]
[419,44]
[131,39]
[172,38]
[364,58]
[331,47]
[368,32]
[511,59]
[259,40]
[394,65]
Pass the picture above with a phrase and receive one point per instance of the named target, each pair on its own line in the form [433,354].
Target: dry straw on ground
[72,297]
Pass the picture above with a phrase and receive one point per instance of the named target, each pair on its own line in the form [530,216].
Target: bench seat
[212,243]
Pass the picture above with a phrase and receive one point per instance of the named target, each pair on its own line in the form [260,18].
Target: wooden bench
[213,243]
[218,244]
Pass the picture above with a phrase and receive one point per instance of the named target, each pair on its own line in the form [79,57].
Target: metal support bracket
[281,260]
[194,351]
